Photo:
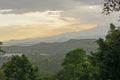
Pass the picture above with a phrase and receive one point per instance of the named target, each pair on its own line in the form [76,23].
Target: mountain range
[53,48]
[93,33]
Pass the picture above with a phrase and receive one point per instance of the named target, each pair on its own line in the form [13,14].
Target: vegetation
[107,58]
[48,57]
[19,68]
[2,75]
[111,6]
[1,50]
[77,66]
[102,64]
[54,48]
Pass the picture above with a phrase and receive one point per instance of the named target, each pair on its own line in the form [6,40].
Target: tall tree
[108,55]
[76,66]
[20,68]
[1,50]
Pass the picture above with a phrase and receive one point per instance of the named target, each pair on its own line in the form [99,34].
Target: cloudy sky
[20,19]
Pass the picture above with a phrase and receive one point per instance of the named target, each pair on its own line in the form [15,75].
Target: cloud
[81,9]
[90,2]
[5,10]
[21,6]
[38,24]
[39,18]
[91,14]
[45,17]
[24,5]
[33,31]
[87,10]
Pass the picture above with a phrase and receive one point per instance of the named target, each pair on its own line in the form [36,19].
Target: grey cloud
[31,5]
[21,6]
[90,2]
[28,4]
[69,7]
[89,16]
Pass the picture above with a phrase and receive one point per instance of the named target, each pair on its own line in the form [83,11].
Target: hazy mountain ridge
[54,48]
[93,33]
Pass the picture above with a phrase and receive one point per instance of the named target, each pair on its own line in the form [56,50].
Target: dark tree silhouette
[111,6]
[1,50]
[107,58]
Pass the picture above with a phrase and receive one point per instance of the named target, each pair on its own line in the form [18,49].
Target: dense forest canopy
[19,68]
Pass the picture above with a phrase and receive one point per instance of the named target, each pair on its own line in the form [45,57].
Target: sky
[21,19]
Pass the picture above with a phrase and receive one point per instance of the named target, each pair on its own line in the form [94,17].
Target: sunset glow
[40,18]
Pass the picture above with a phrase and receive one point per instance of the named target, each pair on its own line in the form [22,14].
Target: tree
[59,75]
[20,68]
[76,66]
[111,6]
[1,50]
[0,47]
[107,58]
[2,75]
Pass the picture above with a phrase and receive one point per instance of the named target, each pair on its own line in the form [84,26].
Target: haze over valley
[93,33]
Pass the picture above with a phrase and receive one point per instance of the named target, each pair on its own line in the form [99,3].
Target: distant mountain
[54,48]
[93,33]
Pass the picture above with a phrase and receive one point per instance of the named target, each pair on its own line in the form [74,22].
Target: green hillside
[49,56]
[53,48]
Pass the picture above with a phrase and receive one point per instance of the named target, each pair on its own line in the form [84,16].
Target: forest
[102,63]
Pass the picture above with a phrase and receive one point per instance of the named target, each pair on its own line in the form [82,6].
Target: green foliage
[2,75]
[49,77]
[74,57]
[47,64]
[107,58]
[104,64]
[60,75]
[77,66]
[55,53]
[19,68]
[53,48]
[1,50]
[101,65]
